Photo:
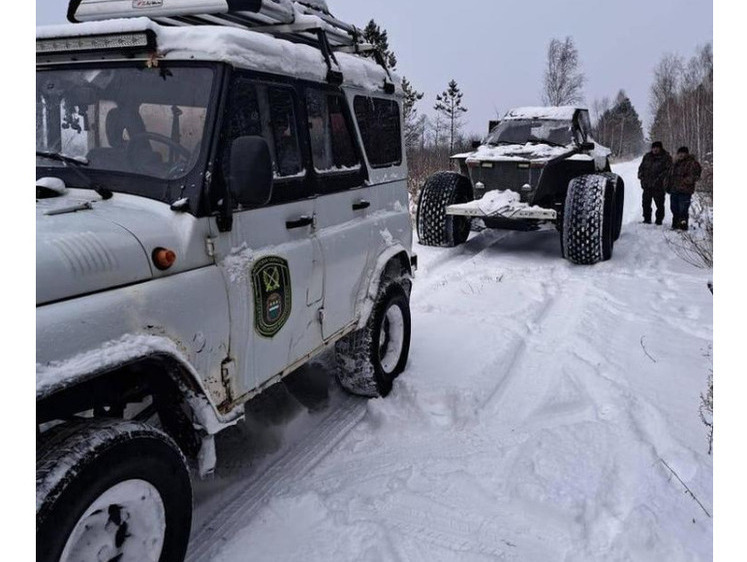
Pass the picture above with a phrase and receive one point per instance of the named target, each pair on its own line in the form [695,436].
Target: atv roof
[560,113]
[313,46]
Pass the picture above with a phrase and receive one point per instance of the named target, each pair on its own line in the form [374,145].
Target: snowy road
[540,405]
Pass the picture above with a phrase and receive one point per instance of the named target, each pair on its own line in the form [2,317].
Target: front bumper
[502,204]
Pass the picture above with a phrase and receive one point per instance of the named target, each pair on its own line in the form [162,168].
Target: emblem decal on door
[272,295]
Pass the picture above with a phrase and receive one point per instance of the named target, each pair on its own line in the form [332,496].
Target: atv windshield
[523,131]
[123,120]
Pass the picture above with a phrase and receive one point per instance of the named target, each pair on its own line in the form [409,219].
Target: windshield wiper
[64,158]
[545,141]
[77,162]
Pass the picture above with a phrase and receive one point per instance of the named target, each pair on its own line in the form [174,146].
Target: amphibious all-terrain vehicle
[538,166]
[221,196]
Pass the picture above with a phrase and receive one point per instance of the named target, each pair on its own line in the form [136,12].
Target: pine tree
[620,128]
[449,104]
[409,113]
[378,38]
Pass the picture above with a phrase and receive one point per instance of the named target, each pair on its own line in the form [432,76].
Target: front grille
[506,175]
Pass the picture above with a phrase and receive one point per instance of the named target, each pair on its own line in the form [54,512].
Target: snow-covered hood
[85,244]
[530,152]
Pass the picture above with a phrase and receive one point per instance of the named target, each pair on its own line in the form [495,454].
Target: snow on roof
[239,47]
[561,113]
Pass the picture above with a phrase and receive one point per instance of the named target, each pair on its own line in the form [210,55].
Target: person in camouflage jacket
[683,176]
[652,173]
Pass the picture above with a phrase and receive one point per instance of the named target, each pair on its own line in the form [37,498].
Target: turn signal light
[163,258]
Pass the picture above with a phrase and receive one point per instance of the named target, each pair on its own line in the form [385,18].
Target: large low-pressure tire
[619,207]
[111,490]
[369,359]
[435,227]
[589,220]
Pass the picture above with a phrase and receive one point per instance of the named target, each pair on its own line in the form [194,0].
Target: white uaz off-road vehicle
[220,197]
[538,166]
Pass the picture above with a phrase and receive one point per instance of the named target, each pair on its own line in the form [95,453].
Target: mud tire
[79,461]
[360,369]
[434,226]
[589,220]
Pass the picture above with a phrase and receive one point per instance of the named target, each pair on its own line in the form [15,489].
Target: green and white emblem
[272,295]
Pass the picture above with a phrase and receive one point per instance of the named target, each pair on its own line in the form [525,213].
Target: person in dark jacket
[683,176]
[652,173]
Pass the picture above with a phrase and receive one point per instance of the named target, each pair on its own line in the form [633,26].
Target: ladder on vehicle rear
[299,21]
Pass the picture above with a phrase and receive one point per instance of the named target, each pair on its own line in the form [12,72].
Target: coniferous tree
[410,113]
[378,37]
[449,104]
[620,128]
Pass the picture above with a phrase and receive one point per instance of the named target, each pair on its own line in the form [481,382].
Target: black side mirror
[476,145]
[251,174]
[588,146]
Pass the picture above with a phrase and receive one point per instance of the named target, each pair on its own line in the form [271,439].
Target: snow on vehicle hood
[85,244]
[513,152]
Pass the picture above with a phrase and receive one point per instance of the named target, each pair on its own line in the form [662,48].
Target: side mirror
[588,146]
[476,145]
[251,173]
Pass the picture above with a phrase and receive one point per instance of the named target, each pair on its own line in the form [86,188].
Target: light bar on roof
[137,41]
[97,10]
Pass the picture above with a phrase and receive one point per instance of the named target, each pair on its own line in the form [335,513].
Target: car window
[269,111]
[282,113]
[379,123]
[332,145]
[137,121]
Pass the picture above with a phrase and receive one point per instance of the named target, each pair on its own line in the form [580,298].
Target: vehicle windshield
[522,131]
[145,121]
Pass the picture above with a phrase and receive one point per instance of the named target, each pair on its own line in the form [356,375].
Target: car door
[270,258]
[344,224]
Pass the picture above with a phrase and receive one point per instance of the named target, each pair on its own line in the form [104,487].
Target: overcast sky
[496,49]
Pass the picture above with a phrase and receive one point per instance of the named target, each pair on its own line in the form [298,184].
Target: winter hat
[657,144]
[683,150]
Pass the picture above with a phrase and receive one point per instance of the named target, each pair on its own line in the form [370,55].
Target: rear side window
[332,144]
[379,123]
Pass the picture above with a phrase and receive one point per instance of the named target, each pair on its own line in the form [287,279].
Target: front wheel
[589,220]
[369,359]
[111,490]
[435,227]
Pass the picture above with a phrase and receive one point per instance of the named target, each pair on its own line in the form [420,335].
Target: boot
[683,225]
[646,220]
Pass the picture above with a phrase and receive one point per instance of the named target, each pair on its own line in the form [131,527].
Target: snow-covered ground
[535,422]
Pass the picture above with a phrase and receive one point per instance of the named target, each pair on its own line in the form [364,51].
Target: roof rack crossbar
[298,21]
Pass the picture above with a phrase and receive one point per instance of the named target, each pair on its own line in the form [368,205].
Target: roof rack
[300,21]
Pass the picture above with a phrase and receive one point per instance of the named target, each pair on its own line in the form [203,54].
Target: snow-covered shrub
[695,246]
[706,411]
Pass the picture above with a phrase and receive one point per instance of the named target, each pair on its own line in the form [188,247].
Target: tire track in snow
[291,464]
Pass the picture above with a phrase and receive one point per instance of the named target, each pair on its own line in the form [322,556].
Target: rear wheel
[111,490]
[619,204]
[589,220]
[435,227]
[369,359]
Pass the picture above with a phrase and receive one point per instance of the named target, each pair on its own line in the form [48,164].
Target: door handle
[300,222]
[360,205]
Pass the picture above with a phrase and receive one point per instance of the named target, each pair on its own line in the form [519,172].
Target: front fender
[184,316]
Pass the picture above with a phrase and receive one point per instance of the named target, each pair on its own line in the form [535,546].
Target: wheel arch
[393,262]
[178,394]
